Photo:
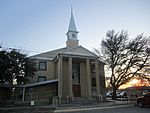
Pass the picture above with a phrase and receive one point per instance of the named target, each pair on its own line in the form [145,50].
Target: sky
[41,25]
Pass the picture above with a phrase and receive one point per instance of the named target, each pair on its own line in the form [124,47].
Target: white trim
[80,54]
[41,58]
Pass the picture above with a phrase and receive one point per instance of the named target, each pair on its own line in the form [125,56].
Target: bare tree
[145,72]
[125,59]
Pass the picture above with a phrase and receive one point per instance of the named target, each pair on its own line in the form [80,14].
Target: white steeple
[72,26]
[72,34]
[72,30]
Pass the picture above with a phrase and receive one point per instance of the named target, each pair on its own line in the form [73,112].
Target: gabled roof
[80,51]
[77,51]
[50,54]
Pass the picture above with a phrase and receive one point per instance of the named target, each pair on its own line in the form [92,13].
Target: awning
[39,83]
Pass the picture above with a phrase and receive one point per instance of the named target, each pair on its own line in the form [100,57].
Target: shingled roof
[78,51]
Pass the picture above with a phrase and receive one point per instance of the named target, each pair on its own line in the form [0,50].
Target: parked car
[109,94]
[144,100]
[122,94]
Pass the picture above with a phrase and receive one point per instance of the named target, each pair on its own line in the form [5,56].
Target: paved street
[115,109]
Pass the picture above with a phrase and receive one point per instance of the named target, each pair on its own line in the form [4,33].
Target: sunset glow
[136,82]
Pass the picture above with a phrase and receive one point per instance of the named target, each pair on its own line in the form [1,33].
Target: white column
[70,76]
[97,77]
[60,76]
[88,77]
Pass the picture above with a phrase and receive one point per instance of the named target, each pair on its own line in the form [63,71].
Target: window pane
[76,73]
[41,78]
[93,81]
[42,65]
[73,35]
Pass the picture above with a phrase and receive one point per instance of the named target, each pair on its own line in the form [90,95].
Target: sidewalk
[50,108]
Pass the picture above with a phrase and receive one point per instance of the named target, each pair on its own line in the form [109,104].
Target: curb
[87,109]
[107,104]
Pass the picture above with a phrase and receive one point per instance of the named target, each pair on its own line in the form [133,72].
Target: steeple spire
[72,34]
[72,26]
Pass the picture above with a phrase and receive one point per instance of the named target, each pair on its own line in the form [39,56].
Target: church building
[72,71]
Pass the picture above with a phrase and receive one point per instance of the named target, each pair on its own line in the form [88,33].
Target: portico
[75,76]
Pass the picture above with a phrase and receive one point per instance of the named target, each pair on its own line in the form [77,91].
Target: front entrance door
[76,90]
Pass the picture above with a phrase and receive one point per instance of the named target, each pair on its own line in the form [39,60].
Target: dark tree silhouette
[124,58]
[15,67]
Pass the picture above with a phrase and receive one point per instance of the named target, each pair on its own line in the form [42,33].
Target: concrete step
[82,100]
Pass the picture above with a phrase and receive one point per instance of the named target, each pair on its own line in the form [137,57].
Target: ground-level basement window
[41,78]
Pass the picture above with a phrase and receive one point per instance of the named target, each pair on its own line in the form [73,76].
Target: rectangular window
[93,74]
[41,78]
[42,65]
[93,82]
[76,73]
[73,36]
